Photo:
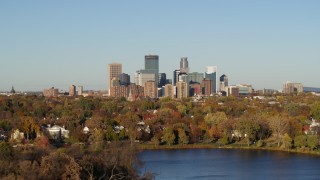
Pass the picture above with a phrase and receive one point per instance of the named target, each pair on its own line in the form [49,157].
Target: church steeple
[12,90]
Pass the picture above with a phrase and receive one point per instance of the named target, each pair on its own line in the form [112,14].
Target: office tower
[152,63]
[182,90]
[184,65]
[162,79]
[169,90]
[114,70]
[183,77]
[206,86]
[211,73]
[175,76]
[245,89]
[80,90]
[195,77]
[51,92]
[143,76]
[124,79]
[223,83]
[150,89]
[72,90]
[291,87]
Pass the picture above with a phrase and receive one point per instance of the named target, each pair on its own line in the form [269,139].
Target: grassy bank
[219,146]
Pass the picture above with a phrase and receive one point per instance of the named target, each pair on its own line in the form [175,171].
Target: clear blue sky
[59,43]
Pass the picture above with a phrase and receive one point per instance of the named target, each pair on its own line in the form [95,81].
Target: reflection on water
[229,164]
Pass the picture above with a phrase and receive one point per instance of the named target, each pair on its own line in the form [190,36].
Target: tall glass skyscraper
[151,63]
[211,73]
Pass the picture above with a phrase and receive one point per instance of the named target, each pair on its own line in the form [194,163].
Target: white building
[57,132]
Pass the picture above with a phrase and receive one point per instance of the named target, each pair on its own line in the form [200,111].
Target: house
[56,132]
[313,128]
[17,135]
[86,130]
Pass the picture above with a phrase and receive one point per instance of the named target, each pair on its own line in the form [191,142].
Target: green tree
[286,141]
[111,135]
[315,110]
[168,136]
[30,127]
[248,127]
[300,141]
[312,141]
[6,151]
[279,126]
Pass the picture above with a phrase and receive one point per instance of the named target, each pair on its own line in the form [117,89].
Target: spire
[12,90]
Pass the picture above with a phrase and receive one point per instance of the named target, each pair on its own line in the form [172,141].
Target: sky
[60,43]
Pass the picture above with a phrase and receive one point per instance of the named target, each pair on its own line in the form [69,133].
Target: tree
[279,126]
[312,141]
[111,135]
[214,120]
[183,138]
[29,126]
[6,151]
[168,136]
[248,127]
[300,141]
[287,141]
[58,165]
[315,110]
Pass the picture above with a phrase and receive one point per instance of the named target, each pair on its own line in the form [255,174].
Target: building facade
[169,91]
[206,87]
[80,90]
[124,79]
[195,77]
[184,65]
[114,70]
[292,88]
[51,92]
[151,89]
[182,90]
[72,90]
[211,73]
[119,91]
[224,82]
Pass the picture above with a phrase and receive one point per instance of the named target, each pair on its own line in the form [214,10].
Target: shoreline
[144,147]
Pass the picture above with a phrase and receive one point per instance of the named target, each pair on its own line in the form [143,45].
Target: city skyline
[45,44]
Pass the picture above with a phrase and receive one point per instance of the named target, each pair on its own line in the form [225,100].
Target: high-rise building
[206,87]
[143,76]
[115,82]
[211,73]
[114,70]
[232,91]
[51,92]
[152,63]
[162,79]
[223,83]
[195,77]
[150,89]
[80,90]
[124,79]
[169,90]
[291,87]
[182,90]
[176,76]
[183,77]
[184,65]
[72,90]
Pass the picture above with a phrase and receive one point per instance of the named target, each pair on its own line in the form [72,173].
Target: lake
[205,164]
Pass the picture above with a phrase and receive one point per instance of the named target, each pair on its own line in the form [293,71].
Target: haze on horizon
[59,43]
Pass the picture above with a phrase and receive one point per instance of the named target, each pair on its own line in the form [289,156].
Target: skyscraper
[223,83]
[211,73]
[169,90]
[184,65]
[72,90]
[114,70]
[162,79]
[124,79]
[195,77]
[80,90]
[151,62]
[176,76]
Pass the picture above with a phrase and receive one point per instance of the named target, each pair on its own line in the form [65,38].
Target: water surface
[205,164]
